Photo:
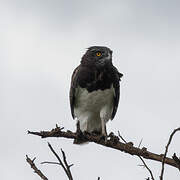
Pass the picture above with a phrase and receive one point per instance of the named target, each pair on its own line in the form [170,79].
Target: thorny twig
[144,164]
[63,163]
[36,170]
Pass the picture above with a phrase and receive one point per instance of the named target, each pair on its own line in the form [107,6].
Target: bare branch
[112,142]
[166,150]
[64,165]
[36,170]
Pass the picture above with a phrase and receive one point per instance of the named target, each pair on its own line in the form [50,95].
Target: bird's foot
[113,138]
[103,137]
[80,137]
[96,133]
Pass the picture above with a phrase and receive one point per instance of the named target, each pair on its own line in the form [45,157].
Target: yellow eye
[98,54]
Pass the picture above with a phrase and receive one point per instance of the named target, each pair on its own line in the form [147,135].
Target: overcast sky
[42,41]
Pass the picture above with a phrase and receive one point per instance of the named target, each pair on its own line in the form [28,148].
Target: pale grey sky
[42,41]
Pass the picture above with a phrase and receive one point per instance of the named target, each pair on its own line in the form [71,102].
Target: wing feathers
[73,89]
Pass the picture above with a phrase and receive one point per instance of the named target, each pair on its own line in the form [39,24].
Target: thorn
[62,150]
[49,144]
[140,143]
[71,165]
[122,138]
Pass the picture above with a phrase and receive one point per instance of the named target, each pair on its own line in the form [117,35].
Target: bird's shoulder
[94,79]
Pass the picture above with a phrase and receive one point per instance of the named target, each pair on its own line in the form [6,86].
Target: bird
[94,91]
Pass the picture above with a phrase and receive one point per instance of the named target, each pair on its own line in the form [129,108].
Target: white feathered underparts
[94,109]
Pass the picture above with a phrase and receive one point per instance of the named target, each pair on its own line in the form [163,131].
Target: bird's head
[98,56]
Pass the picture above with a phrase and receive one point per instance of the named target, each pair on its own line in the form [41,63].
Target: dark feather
[72,90]
[116,86]
[93,79]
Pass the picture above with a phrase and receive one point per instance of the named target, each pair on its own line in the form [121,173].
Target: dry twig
[36,170]
[166,150]
[63,163]
[145,165]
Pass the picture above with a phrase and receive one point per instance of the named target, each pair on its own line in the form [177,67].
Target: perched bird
[95,90]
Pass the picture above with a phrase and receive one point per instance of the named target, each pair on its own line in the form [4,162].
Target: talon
[111,134]
[86,133]
[96,133]
[106,139]
[80,136]
[103,137]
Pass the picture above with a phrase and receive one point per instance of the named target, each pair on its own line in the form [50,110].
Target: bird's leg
[104,118]
[103,130]
[103,126]
[78,127]
[79,134]
[78,130]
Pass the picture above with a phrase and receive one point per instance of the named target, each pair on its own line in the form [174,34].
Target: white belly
[91,107]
